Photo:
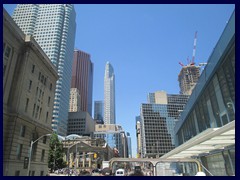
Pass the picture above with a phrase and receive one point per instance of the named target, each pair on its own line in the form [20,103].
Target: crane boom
[194,48]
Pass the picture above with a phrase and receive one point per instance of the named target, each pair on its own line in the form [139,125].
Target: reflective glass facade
[109,95]
[215,104]
[53,27]
[82,78]
[98,111]
[212,103]
[157,124]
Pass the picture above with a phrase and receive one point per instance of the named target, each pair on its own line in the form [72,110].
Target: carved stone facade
[29,81]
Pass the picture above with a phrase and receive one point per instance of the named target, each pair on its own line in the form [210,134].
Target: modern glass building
[129,143]
[82,78]
[98,112]
[53,26]
[206,129]
[158,121]
[109,95]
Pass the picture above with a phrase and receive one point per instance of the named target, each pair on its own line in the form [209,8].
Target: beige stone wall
[20,99]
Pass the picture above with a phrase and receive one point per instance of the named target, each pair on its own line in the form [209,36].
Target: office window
[46,116]
[44,139]
[33,110]
[19,151]
[30,85]
[42,156]
[22,130]
[7,50]
[49,98]
[33,68]
[36,115]
[26,106]
[37,91]
[39,76]
[42,79]
[40,94]
[40,113]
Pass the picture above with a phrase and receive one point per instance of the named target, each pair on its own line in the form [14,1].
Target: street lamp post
[30,151]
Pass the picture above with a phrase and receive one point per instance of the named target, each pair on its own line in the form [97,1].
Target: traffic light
[95,155]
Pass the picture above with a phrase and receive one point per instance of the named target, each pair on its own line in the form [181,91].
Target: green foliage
[56,153]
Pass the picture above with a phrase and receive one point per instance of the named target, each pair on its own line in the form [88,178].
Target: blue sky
[144,43]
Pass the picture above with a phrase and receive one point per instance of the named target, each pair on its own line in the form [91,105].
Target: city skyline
[145,47]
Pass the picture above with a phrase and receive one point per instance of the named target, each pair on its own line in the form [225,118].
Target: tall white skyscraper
[109,95]
[53,26]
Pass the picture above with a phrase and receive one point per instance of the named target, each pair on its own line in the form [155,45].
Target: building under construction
[188,78]
[189,73]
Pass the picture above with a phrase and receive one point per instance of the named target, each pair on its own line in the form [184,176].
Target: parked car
[120,172]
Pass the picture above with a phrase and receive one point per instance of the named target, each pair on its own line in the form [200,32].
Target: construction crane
[191,62]
[181,63]
[194,49]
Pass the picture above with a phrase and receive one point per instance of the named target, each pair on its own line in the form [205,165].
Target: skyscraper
[109,95]
[53,26]
[157,122]
[98,112]
[129,144]
[82,78]
[188,78]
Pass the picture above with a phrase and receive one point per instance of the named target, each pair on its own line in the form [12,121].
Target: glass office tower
[98,111]
[211,108]
[82,78]
[109,95]
[158,118]
[53,26]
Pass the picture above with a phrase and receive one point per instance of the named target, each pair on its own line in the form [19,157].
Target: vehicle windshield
[133,167]
[176,169]
[153,167]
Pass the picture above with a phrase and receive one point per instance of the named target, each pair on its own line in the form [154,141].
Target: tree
[56,153]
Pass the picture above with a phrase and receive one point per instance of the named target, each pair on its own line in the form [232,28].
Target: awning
[208,140]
